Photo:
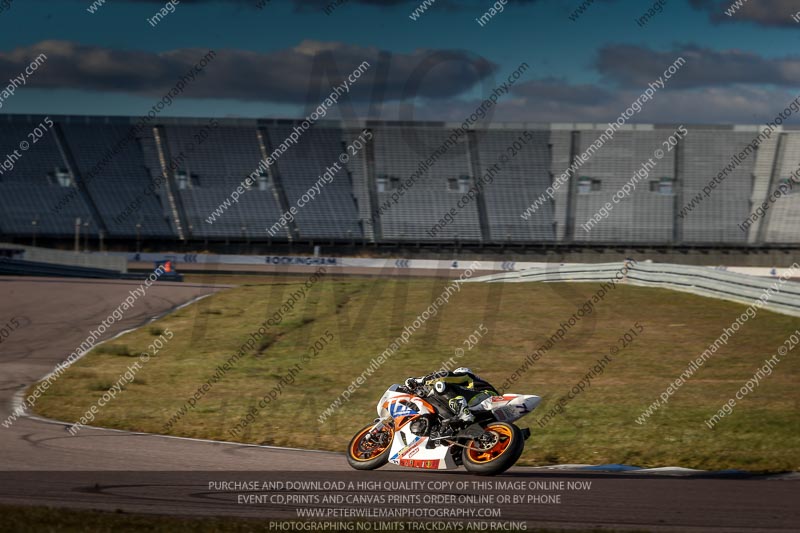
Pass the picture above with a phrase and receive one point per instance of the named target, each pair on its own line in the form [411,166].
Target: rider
[462,389]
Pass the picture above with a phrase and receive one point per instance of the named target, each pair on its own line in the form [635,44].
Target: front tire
[370,454]
[496,451]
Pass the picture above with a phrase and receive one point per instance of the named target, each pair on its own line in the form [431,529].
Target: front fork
[380,424]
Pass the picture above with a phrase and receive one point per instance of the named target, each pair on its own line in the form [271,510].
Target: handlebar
[422,391]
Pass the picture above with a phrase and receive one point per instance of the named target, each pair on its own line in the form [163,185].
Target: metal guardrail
[63,257]
[18,267]
[703,281]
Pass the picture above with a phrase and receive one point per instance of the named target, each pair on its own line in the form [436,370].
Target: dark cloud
[556,101]
[761,12]
[553,89]
[712,87]
[636,66]
[296,75]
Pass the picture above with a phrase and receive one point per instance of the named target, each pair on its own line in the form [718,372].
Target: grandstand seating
[39,195]
[357,166]
[399,152]
[522,179]
[717,217]
[646,215]
[214,168]
[119,189]
[31,199]
[333,212]
[784,214]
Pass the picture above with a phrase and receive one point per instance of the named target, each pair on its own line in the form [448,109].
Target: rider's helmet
[462,370]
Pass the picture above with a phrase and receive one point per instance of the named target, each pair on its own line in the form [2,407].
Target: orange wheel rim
[365,451]
[504,439]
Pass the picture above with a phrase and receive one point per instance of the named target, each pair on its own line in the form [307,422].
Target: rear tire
[369,455]
[500,456]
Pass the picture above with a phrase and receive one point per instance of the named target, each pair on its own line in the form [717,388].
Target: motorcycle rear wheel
[370,454]
[509,442]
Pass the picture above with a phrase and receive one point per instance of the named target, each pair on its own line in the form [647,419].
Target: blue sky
[740,69]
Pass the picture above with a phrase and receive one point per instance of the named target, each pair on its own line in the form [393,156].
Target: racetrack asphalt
[42,464]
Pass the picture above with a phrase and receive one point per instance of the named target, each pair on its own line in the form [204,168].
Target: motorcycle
[409,432]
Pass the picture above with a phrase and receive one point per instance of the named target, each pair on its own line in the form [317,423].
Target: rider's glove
[412,383]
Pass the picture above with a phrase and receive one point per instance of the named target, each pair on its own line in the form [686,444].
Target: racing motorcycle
[409,432]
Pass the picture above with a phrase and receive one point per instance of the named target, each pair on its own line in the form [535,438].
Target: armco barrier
[703,281]
[62,257]
[18,267]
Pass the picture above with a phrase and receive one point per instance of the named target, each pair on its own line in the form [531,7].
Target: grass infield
[363,315]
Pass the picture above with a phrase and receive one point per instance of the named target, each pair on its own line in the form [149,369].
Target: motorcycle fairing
[412,451]
[399,404]
[510,407]
[409,449]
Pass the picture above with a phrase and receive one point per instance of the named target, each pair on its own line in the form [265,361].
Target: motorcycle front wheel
[495,451]
[372,453]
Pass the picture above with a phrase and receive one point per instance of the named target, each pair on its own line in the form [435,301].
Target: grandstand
[397,155]
[210,163]
[647,216]
[120,184]
[35,185]
[103,176]
[526,176]
[334,212]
